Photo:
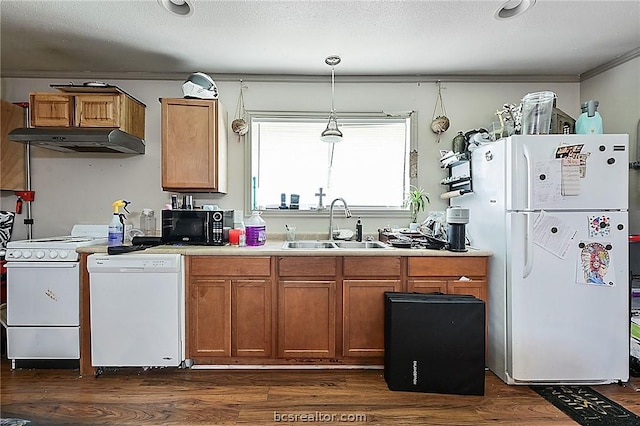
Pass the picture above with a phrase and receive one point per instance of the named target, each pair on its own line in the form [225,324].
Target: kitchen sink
[361,244]
[308,245]
[318,244]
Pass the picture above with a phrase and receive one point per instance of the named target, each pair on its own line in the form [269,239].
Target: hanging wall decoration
[239,125]
[440,123]
[413,164]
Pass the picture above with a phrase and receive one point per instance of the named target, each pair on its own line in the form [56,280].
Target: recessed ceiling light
[513,8]
[177,7]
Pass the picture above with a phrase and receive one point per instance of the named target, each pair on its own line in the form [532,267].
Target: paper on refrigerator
[553,234]
[547,183]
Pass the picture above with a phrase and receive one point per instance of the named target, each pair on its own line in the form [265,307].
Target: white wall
[618,91]
[79,188]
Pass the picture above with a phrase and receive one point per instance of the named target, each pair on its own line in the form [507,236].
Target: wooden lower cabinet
[209,318]
[251,314]
[366,279]
[229,315]
[363,313]
[307,291]
[307,319]
[298,309]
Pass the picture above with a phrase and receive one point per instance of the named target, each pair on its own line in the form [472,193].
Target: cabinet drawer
[307,266]
[51,110]
[447,266]
[234,266]
[378,266]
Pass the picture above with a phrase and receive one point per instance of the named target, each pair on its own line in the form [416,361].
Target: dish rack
[459,180]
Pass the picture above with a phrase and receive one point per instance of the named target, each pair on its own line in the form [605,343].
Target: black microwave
[198,227]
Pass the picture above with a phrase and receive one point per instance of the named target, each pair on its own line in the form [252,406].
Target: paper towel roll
[452,194]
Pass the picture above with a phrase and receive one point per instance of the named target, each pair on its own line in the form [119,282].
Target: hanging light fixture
[332,134]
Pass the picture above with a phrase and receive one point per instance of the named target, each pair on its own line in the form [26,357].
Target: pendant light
[332,134]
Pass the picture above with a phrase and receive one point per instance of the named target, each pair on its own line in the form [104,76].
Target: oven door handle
[14,264]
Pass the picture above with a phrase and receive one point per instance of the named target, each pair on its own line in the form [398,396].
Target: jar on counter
[148,222]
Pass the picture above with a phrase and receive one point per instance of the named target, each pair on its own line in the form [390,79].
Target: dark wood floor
[209,397]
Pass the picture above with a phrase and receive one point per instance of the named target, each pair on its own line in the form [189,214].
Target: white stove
[43,295]
[57,249]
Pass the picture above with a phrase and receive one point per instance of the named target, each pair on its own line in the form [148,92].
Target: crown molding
[611,64]
[297,78]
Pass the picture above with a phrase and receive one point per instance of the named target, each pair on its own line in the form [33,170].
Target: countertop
[274,248]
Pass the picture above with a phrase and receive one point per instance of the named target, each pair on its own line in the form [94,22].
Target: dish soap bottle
[256,234]
[359,230]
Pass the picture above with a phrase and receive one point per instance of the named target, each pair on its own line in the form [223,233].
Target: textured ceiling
[273,37]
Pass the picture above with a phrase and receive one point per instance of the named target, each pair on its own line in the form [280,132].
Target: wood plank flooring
[171,396]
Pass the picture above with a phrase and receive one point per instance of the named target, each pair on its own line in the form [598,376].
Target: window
[369,168]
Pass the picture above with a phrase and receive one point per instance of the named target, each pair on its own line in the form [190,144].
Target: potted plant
[417,200]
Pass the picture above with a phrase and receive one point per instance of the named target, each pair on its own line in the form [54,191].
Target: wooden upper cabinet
[88,110]
[12,154]
[98,111]
[52,110]
[194,145]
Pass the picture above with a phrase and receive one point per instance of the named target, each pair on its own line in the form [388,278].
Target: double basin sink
[336,244]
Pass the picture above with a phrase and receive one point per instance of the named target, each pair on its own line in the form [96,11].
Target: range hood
[80,139]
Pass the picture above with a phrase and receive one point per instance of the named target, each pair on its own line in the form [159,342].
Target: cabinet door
[251,318]
[193,145]
[51,110]
[97,110]
[307,319]
[363,310]
[210,318]
[12,160]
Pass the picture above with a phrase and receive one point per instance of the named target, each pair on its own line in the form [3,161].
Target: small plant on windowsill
[417,199]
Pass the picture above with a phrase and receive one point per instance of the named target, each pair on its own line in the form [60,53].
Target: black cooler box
[434,343]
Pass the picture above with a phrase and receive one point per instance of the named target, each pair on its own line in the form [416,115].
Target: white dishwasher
[137,310]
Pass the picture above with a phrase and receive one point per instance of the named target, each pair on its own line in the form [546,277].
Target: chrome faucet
[347,214]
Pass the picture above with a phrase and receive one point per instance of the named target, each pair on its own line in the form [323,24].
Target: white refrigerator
[553,209]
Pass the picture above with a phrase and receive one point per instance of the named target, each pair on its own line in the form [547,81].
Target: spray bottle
[116,227]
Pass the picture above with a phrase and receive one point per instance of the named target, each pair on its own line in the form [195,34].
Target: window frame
[366,212]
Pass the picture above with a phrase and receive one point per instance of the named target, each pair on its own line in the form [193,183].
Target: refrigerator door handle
[527,157]
[528,249]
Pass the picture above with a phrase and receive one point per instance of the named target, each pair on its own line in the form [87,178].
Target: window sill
[337,212]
